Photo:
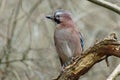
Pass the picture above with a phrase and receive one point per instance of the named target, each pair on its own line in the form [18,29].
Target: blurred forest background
[27,50]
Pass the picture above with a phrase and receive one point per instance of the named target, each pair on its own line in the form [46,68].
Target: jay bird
[68,40]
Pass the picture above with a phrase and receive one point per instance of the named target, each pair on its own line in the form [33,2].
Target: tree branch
[108,47]
[107,5]
[95,54]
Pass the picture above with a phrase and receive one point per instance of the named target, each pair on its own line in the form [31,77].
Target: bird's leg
[63,68]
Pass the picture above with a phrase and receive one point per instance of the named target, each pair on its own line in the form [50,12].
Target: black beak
[53,19]
[50,17]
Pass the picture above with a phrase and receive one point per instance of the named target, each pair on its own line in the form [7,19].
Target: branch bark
[108,47]
[107,5]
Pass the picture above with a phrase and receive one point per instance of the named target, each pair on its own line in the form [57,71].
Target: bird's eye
[57,16]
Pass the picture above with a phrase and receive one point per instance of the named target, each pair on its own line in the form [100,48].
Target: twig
[29,16]
[107,5]
[16,74]
[115,73]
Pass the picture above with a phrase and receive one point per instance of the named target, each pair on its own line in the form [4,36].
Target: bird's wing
[81,41]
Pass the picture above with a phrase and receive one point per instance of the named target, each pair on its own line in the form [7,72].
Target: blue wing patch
[82,41]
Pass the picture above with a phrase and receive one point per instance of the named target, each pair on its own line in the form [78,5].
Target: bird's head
[60,16]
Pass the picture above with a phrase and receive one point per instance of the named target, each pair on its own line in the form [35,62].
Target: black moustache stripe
[57,21]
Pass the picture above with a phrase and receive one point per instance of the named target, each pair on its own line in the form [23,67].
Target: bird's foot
[73,62]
